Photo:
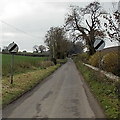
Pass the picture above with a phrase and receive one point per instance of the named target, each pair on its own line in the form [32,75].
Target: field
[23,63]
[28,72]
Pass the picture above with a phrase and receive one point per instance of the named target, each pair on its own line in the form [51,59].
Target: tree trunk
[91,42]
[91,50]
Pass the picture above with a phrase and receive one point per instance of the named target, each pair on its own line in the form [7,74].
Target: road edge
[29,92]
[93,102]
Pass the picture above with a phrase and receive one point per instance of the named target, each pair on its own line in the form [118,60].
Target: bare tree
[85,23]
[112,24]
[41,48]
[5,49]
[35,48]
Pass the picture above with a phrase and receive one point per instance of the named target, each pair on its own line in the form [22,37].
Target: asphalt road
[64,94]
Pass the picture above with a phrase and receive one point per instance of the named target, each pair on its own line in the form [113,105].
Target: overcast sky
[34,17]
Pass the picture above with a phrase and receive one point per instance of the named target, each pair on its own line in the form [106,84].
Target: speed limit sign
[12,48]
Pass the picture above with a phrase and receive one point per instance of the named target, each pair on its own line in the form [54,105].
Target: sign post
[99,45]
[12,48]
[12,68]
[119,17]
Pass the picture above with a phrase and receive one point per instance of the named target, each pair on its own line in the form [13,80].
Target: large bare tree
[85,23]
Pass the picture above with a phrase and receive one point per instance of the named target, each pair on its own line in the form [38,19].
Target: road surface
[62,95]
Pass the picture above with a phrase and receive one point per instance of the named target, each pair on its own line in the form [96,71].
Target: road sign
[99,44]
[13,48]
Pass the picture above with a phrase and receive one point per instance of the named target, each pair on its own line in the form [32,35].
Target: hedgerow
[109,62]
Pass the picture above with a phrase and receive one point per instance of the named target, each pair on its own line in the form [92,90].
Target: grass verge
[105,90]
[22,83]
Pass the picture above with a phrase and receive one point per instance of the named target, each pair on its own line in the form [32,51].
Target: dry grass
[22,83]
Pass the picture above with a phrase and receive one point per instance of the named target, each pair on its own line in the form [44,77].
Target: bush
[45,64]
[110,63]
[95,59]
[83,57]
[54,60]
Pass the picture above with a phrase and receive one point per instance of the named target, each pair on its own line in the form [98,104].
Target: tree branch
[88,24]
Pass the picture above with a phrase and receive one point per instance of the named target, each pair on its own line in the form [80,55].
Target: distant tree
[79,47]
[57,42]
[35,48]
[75,47]
[84,23]
[5,49]
[24,51]
[42,48]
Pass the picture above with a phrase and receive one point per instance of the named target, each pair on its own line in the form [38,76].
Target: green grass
[7,58]
[61,61]
[22,63]
[28,72]
[23,82]
[103,88]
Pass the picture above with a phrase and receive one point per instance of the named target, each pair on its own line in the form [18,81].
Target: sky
[26,21]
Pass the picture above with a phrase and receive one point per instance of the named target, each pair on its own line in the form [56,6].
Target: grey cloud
[36,22]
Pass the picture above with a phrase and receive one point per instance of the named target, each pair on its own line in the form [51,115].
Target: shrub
[45,64]
[108,61]
[83,57]
[95,59]
[111,62]
[54,60]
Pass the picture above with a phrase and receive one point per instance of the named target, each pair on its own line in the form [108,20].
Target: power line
[18,29]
